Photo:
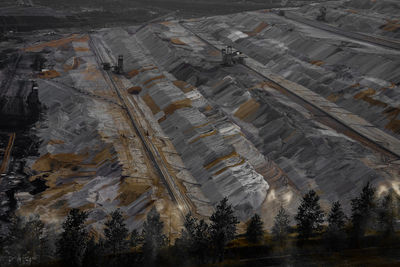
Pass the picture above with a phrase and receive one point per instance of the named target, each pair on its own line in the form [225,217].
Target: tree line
[201,241]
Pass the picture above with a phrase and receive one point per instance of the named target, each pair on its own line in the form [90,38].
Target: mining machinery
[118,69]
[230,57]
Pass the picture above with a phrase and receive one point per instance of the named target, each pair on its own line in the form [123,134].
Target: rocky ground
[219,131]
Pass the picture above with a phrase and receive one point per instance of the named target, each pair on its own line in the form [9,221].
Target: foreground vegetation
[367,235]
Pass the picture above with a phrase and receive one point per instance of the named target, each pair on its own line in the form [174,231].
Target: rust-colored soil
[258,29]
[184,103]
[130,190]
[391,25]
[81,49]
[50,74]
[151,104]
[247,109]
[177,41]
[56,142]
[366,96]
[57,43]
[317,62]
[218,160]
[213,132]
[153,79]
[184,86]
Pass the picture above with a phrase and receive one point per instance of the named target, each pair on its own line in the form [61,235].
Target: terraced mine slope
[308,108]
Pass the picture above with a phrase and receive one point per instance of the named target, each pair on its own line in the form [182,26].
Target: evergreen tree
[12,248]
[280,230]
[35,241]
[186,242]
[72,244]
[153,236]
[194,241]
[116,233]
[201,240]
[362,209]
[26,243]
[255,231]
[223,227]
[336,218]
[93,253]
[309,216]
[335,231]
[190,225]
[388,213]
[134,238]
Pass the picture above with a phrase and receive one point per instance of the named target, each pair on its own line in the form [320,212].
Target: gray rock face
[310,153]
[216,165]
[356,76]
[238,134]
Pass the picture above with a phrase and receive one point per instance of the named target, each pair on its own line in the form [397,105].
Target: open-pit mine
[178,112]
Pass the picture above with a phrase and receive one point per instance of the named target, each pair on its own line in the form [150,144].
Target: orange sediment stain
[81,49]
[184,86]
[317,63]
[247,109]
[218,160]
[334,97]
[57,43]
[135,72]
[151,104]
[183,103]
[177,41]
[261,26]
[366,96]
[55,142]
[49,74]
[391,26]
[213,132]
[132,73]
[153,83]
[231,166]
[392,114]
[153,79]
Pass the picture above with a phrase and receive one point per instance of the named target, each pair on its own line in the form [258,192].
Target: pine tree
[309,216]
[34,241]
[134,238]
[280,230]
[335,233]
[362,209]
[186,242]
[72,244]
[116,233]
[201,241]
[153,236]
[223,227]
[190,225]
[12,248]
[255,231]
[195,238]
[388,213]
[336,217]
[93,253]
